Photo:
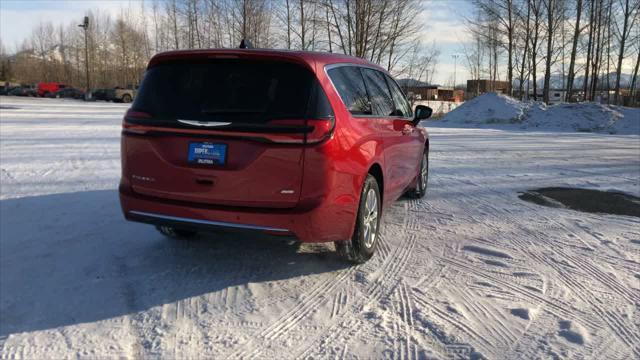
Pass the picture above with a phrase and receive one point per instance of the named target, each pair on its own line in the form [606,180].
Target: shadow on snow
[72,258]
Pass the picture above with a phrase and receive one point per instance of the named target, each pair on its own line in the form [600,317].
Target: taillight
[312,131]
[133,115]
[322,129]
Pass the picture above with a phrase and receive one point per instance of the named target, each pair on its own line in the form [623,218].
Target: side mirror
[422,112]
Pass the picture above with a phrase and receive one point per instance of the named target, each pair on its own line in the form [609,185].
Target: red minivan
[303,144]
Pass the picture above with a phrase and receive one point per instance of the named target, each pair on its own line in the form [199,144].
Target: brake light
[134,115]
[315,131]
[322,129]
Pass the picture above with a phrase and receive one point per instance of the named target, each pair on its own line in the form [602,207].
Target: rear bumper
[308,225]
[159,219]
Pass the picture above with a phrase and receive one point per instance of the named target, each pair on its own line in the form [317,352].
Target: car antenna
[245,44]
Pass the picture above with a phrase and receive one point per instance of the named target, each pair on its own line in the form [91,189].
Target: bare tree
[574,49]
[554,15]
[623,33]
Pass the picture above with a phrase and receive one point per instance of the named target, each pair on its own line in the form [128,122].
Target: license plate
[207,153]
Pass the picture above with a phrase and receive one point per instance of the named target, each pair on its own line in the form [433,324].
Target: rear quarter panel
[335,170]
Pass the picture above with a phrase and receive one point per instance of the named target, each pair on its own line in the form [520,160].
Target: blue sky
[443,19]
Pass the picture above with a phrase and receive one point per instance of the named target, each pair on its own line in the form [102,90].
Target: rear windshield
[236,91]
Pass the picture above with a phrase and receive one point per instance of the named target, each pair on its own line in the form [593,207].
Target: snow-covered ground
[496,111]
[468,270]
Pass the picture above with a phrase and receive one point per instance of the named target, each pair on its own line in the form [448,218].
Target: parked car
[116,94]
[46,88]
[310,145]
[6,90]
[68,93]
[103,94]
[123,95]
[23,91]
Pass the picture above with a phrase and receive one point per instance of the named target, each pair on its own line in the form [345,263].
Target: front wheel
[126,98]
[363,242]
[176,233]
[421,179]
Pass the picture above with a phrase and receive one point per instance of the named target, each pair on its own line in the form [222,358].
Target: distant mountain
[557,83]
[54,53]
[411,82]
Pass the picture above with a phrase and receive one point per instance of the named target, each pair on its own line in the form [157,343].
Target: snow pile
[495,110]
[490,108]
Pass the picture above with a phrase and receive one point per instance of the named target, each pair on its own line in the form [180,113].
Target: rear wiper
[204,123]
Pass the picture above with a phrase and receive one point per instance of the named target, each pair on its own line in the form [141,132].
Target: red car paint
[304,185]
[49,88]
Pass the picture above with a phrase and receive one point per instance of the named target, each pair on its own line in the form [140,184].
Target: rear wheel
[176,233]
[422,179]
[363,242]
[126,98]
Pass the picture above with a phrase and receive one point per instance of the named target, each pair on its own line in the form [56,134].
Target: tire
[422,179]
[126,98]
[365,237]
[176,233]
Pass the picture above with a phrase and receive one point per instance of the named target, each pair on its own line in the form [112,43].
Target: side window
[381,102]
[402,105]
[350,85]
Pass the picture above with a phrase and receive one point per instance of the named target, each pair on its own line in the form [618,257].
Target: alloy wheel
[370,221]
[424,173]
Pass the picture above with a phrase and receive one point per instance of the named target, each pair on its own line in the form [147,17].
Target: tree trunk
[598,51]
[524,54]
[547,73]
[623,39]
[633,91]
[288,25]
[574,47]
[510,47]
[585,84]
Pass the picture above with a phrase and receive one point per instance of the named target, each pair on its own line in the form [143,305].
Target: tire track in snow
[473,335]
[524,292]
[614,322]
[586,265]
[387,274]
[339,302]
[406,308]
[285,323]
[493,327]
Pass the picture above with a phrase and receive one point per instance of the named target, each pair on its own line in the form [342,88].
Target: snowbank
[488,108]
[499,111]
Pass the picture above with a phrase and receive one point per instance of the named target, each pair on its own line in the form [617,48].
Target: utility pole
[85,26]
[455,62]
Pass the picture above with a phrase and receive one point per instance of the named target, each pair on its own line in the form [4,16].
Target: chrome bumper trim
[207,222]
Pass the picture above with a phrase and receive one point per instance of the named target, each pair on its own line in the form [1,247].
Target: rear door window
[235,91]
[350,85]
[381,102]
